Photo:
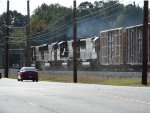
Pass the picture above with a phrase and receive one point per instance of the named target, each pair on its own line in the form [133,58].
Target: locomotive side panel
[93,48]
[43,50]
[33,54]
[50,52]
[97,47]
[83,49]
[37,53]
[87,50]
[70,49]
[54,52]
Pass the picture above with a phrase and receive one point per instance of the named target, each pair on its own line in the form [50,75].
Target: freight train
[113,49]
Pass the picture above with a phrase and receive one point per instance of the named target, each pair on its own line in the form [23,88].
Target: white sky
[20,5]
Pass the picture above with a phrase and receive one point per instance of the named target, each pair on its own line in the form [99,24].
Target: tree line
[53,22]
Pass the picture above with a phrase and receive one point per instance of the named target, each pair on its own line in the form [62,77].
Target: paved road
[52,97]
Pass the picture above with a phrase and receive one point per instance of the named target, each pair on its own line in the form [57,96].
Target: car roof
[28,68]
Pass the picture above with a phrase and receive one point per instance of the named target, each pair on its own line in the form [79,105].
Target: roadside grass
[117,81]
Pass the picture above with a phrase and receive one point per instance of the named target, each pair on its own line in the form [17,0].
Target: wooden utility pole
[145,44]
[74,44]
[6,62]
[28,37]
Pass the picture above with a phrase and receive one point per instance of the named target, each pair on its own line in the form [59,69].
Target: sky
[21,5]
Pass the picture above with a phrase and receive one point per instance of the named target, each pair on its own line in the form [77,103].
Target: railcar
[114,48]
[134,39]
[122,47]
[39,56]
[111,49]
[87,50]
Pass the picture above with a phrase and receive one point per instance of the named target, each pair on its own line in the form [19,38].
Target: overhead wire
[77,18]
[63,25]
[64,32]
[101,13]
[93,13]
[52,25]
[88,18]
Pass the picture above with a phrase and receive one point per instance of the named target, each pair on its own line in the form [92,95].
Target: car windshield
[28,69]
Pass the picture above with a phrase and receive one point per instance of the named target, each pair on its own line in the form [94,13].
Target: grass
[118,81]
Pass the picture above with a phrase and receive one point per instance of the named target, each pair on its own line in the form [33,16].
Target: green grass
[118,81]
[96,80]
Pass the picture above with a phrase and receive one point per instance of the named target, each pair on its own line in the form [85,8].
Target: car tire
[21,79]
[36,80]
[18,79]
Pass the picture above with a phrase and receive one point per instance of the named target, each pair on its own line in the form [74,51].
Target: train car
[59,52]
[119,47]
[33,54]
[134,39]
[87,50]
[43,52]
[55,53]
[70,49]
[111,49]
[122,47]
[64,50]
[40,55]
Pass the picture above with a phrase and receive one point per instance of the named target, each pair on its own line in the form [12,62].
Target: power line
[61,27]
[52,25]
[99,13]
[82,16]
[80,20]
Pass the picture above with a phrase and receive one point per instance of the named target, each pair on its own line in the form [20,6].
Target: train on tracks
[113,49]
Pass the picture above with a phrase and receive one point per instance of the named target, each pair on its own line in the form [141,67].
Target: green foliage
[16,20]
[50,23]
[131,15]
[92,18]
[47,15]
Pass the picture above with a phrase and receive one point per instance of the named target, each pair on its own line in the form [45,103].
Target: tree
[46,19]
[52,22]
[131,15]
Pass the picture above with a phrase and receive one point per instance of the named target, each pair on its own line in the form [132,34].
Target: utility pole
[22,46]
[6,63]
[145,44]
[28,37]
[74,44]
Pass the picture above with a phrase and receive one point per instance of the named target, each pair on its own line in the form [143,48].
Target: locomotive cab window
[82,44]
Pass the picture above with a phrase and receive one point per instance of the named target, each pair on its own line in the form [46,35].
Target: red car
[28,73]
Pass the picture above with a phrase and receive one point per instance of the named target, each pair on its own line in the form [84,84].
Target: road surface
[53,97]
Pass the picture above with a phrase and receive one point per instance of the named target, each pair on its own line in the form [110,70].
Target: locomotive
[119,48]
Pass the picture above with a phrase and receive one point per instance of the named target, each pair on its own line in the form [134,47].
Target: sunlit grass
[118,81]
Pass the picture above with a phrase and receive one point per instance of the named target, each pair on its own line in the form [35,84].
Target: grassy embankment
[119,81]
